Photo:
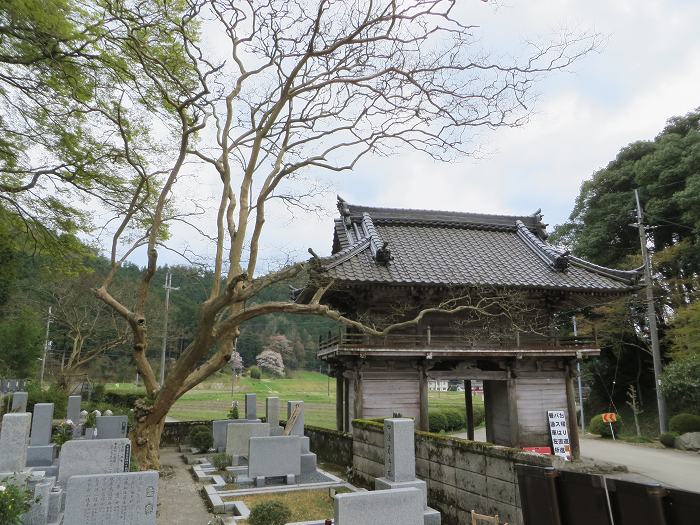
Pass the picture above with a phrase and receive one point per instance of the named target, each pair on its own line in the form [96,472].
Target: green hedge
[453,419]
[125,399]
[684,423]
[437,421]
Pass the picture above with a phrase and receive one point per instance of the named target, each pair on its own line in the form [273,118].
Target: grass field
[212,399]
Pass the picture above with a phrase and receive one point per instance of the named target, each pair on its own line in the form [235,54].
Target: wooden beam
[468,375]
[468,401]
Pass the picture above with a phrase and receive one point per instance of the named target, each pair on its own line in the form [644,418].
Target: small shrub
[437,421]
[14,502]
[684,423]
[598,426]
[63,433]
[221,461]
[98,393]
[456,420]
[479,415]
[668,439]
[269,513]
[233,413]
[255,372]
[201,438]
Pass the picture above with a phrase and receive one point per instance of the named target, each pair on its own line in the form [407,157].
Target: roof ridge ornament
[380,252]
[558,260]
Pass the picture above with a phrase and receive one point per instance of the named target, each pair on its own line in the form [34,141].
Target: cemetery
[441,355]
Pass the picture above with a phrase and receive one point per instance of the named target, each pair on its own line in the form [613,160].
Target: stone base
[260,480]
[431,517]
[308,463]
[276,430]
[386,484]
[41,455]
[305,444]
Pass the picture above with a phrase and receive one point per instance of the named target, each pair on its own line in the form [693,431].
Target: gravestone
[238,436]
[111,427]
[19,401]
[41,424]
[274,456]
[73,411]
[220,428]
[39,511]
[41,452]
[251,409]
[130,498]
[383,507]
[400,464]
[94,456]
[14,437]
[55,504]
[272,415]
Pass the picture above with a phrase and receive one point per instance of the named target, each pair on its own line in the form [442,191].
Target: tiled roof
[458,249]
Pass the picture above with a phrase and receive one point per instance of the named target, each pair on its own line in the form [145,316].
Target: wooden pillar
[346,403]
[468,401]
[571,409]
[339,404]
[513,414]
[424,423]
[358,393]
[488,410]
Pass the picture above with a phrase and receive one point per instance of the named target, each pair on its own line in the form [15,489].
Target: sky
[646,70]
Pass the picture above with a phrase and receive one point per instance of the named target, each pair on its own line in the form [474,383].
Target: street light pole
[46,349]
[168,287]
[651,315]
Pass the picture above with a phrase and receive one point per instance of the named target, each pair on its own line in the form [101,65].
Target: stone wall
[461,475]
[330,446]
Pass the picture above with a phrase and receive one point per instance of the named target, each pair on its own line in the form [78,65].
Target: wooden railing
[448,341]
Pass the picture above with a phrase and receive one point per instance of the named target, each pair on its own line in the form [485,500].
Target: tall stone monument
[400,464]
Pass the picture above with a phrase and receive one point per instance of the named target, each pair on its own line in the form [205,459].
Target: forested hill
[32,280]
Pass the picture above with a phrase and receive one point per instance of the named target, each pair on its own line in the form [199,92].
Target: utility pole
[651,314]
[168,287]
[46,349]
[580,387]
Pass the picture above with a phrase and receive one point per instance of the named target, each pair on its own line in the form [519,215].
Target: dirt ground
[178,500]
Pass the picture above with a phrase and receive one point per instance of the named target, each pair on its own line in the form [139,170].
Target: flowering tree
[271,362]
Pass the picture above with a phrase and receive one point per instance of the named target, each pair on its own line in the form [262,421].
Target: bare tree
[304,86]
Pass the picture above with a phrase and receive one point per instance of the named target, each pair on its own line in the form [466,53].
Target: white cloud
[648,70]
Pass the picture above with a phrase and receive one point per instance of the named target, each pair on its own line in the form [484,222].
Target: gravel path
[178,500]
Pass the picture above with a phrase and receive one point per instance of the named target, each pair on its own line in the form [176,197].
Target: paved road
[673,468]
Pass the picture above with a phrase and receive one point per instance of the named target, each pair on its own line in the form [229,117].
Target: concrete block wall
[461,476]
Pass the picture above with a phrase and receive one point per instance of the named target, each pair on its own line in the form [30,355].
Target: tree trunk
[145,442]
